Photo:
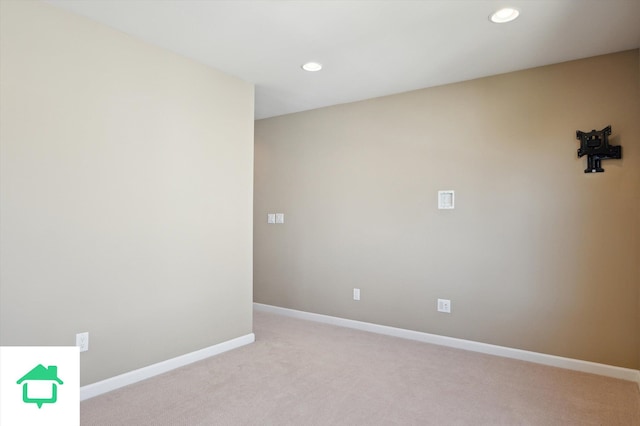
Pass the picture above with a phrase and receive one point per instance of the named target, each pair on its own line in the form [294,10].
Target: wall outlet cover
[82,341]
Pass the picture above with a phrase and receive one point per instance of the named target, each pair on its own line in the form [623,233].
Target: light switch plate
[356,294]
[279,217]
[446,200]
[271,218]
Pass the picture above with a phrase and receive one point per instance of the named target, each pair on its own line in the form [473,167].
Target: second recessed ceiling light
[312,66]
[504,15]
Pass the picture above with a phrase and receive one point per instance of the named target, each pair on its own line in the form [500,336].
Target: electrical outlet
[356,294]
[82,341]
[444,305]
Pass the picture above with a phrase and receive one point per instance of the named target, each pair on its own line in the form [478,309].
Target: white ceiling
[368,48]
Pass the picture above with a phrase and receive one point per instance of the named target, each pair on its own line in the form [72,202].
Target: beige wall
[537,254]
[126,194]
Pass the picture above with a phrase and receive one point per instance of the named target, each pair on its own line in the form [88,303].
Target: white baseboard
[539,358]
[113,383]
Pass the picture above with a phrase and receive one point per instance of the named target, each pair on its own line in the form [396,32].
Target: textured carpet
[304,373]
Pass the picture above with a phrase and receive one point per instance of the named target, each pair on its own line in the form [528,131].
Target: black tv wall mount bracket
[595,145]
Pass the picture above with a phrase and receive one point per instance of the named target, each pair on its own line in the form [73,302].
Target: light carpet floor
[305,373]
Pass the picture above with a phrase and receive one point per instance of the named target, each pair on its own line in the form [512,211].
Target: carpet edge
[130,377]
[486,348]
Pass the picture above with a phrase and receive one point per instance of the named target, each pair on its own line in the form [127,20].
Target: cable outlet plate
[444,305]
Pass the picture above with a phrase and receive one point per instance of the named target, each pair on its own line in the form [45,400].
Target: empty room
[319,212]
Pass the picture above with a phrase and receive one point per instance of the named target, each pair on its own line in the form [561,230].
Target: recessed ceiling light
[312,66]
[504,15]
